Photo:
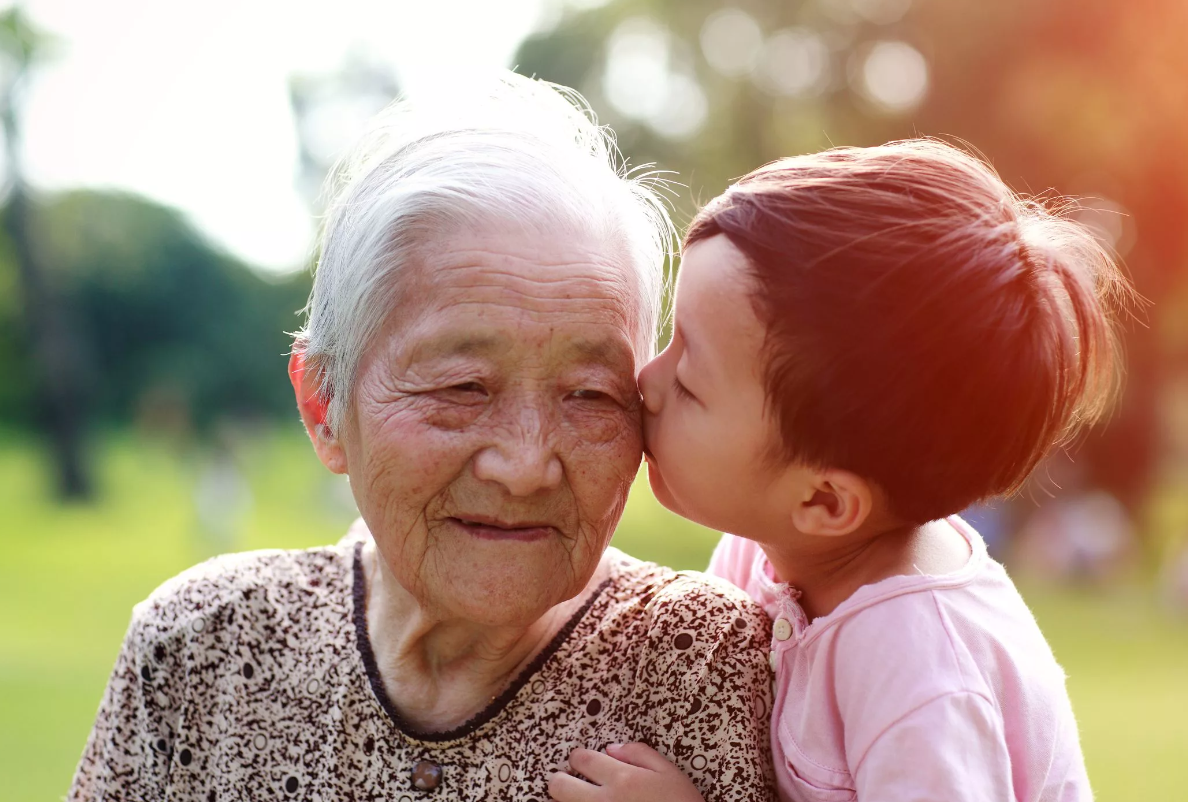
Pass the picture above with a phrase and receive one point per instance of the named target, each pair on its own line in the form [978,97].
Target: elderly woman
[489,282]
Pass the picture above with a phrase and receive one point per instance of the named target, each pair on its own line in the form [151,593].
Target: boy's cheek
[660,488]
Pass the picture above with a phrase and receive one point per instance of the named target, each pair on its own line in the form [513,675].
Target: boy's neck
[828,570]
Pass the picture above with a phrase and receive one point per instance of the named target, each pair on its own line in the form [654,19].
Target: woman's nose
[651,385]
[524,460]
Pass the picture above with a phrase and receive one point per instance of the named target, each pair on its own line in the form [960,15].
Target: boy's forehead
[714,310]
[711,267]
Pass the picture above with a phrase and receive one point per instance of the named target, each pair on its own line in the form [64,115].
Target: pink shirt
[937,688]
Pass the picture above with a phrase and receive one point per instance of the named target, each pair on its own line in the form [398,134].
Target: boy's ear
[313,408]
[835,503]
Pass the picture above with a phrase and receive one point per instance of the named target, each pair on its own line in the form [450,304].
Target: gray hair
[514,149]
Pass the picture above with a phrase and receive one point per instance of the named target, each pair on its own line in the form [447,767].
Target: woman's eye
[470,388]
[681,390]
[589,395]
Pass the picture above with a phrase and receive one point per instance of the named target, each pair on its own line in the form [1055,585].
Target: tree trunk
[54,353]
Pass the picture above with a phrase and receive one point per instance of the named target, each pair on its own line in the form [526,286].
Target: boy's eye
[681,390]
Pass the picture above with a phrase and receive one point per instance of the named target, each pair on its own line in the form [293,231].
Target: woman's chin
[509,583]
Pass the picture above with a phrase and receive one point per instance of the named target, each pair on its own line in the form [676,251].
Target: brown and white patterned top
[251,677]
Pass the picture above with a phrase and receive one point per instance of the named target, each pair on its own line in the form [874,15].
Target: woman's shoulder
[695,652]
[248,590]
[685,607]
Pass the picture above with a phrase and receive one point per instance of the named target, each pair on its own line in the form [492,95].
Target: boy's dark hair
[926,328]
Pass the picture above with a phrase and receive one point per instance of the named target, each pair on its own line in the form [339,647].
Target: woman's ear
[313,407]
[836,503]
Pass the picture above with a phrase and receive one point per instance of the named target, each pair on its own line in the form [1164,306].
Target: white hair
[510,149]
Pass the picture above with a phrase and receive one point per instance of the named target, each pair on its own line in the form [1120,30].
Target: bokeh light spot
[893,76]
[684,110]
[636,77]
[646,81]
[795,62]
[731,40]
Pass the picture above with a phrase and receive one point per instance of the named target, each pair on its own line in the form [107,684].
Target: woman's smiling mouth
[489,529]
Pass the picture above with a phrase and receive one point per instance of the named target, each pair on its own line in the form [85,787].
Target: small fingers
[641,755]
[599,768]
[567,788]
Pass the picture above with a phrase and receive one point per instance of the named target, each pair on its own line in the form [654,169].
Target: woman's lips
[525,533]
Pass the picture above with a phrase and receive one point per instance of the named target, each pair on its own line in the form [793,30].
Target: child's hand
[626,773]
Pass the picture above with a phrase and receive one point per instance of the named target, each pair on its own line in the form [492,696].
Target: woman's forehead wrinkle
[559,300]
[568,282]
[510,260]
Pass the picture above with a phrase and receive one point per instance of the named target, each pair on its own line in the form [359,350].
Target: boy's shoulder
[963,638]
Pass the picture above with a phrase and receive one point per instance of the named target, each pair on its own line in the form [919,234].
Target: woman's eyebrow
[600,352]
[456,345]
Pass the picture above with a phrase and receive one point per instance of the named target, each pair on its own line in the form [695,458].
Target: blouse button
[426,775]
[782,629]
[773,660]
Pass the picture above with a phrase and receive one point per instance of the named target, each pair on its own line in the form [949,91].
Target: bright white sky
[186,101]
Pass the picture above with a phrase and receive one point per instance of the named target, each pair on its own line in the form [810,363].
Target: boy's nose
[651,385]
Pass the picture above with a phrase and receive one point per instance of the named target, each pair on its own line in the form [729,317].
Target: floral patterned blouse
[251,677]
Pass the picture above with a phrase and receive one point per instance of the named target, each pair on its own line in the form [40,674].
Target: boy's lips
[653,465]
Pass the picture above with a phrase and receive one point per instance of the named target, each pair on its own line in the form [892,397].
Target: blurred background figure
[222,497]
[1071,530]
[1083,537]
[994,522]
[161,174]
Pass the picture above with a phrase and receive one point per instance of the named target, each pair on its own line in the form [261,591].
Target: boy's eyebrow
[704,364]
[687,343]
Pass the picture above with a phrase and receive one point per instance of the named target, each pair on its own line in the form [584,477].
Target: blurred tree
[113,308]
[1084,96]
[164,314]
[52,345]
[162,318]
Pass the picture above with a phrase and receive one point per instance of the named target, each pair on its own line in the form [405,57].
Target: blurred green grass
[70,575]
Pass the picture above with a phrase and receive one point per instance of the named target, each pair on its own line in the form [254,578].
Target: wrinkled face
[706,432]
[494,431]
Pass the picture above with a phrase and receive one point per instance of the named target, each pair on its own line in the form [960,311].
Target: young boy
[866,341]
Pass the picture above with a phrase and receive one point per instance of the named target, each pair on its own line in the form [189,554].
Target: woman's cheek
[410,449]
[603,422]
[613,462]
[602,451]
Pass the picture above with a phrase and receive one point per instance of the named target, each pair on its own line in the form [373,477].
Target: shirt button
[782,629]
[426,775]
[773,660]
